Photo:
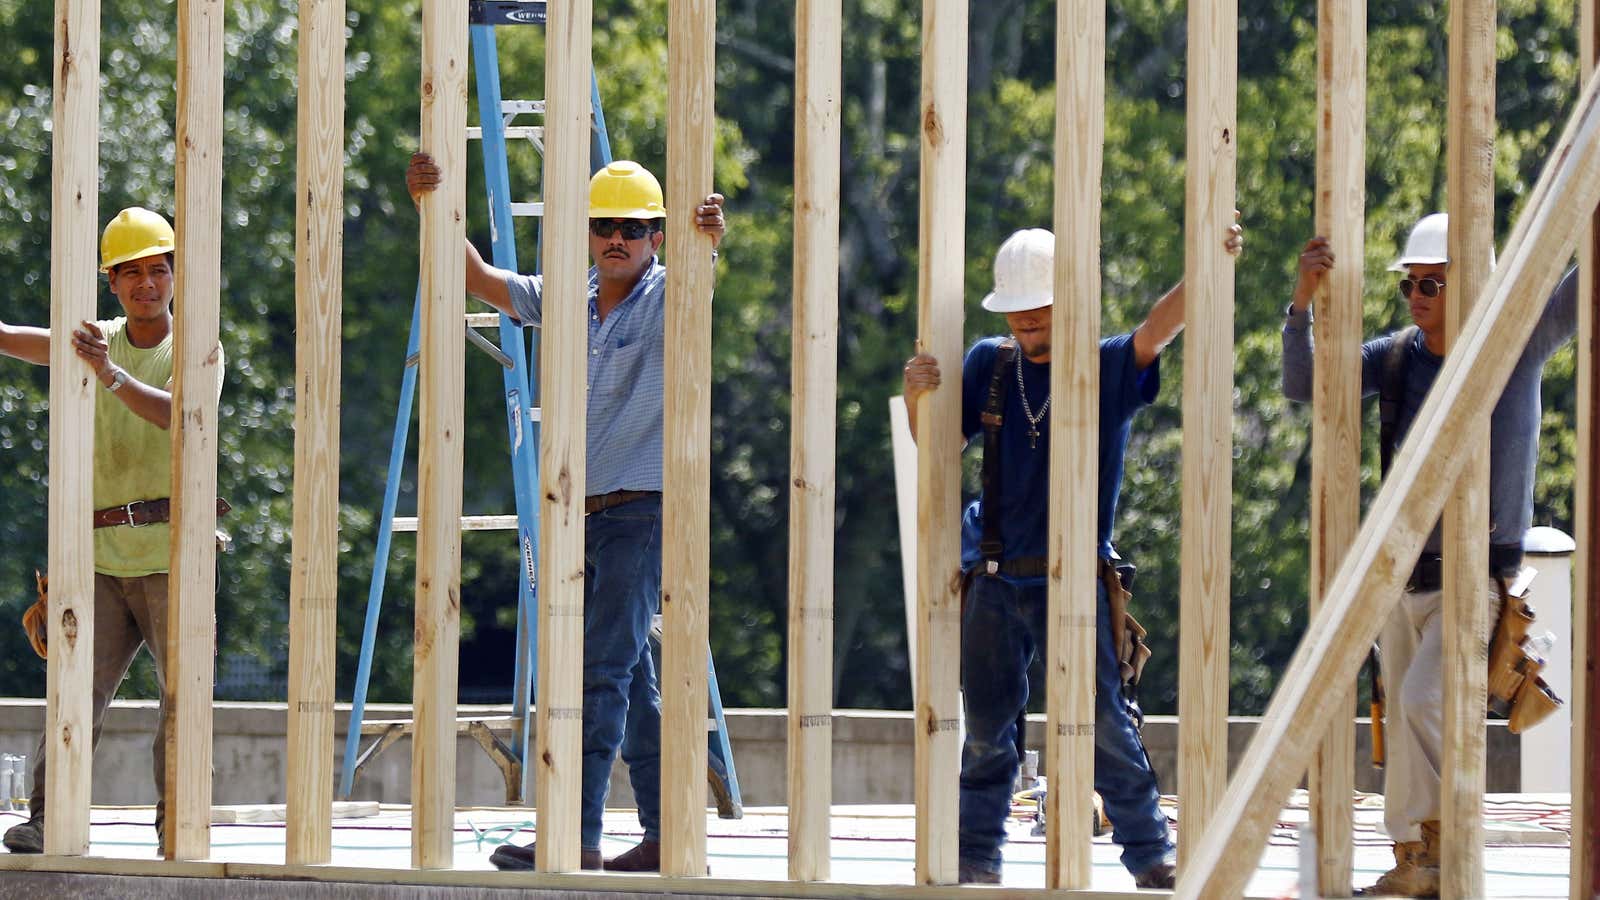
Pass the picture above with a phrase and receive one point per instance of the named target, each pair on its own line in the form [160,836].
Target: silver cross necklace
[1033,420]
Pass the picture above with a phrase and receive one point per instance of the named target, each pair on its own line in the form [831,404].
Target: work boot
[1412,875]
[1162,876]
[510,857]
[27,837]
[645,856]
[968,873]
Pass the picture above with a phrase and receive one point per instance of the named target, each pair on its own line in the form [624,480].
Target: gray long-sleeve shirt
[1514,424]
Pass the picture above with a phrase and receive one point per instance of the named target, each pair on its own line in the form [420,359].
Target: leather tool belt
[1127,635]
[597,502]
[1516,689]
[140,513]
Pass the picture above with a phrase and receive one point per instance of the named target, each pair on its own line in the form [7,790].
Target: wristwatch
[118,380]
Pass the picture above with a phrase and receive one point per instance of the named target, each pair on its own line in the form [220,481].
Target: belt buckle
[128,508]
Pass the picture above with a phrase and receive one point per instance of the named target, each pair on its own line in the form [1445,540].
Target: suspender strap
[990,547]
[1391,393]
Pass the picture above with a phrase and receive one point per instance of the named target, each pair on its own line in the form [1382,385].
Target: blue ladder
[522,423]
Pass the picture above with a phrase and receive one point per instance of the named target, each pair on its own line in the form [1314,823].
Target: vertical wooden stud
[1074,442]
[1466,516]
[1207,413]
[942,258]
[1367,585]
[438,584]
[686,514]
[191,604]
[74,224]
[1585,875]
[818,73]
[563,372]
[314,571]
[1336,403]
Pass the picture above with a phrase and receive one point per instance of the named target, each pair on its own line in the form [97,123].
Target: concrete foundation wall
[872,755]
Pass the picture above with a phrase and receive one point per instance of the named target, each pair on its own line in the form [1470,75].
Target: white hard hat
[1024,272]
[1429,243]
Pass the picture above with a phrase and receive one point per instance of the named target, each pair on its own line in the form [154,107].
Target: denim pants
[1002,626]
[621,700]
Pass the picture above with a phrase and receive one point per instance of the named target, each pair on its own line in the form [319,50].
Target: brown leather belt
[140,513]
[616,498]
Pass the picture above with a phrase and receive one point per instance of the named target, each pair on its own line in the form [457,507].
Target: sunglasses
[632,229]
[1430,287]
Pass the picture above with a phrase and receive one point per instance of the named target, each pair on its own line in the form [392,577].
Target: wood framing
[74,225]
[314,566]
[1585,875]
[1368,583]
[441,387]
[941,238]
[1466,517]
[818,75]
[1074,443]
[563,469]
[686,512]
[1336,397]
[1207,414]
[196,371]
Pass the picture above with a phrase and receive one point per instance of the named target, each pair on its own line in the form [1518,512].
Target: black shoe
[510,857]
[1163,876]
[968,873]
[26,838]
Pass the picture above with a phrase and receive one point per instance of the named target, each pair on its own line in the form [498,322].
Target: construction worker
[1003,542]
[622,527]
[131,356]
[1401,367]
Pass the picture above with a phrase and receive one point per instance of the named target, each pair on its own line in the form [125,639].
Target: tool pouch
[1515,689]
[36,620]
[1127,635]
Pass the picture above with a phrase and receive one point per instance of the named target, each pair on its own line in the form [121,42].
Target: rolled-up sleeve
[527,297]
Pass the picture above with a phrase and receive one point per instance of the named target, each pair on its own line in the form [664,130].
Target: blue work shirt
[626,363]
[1025,466]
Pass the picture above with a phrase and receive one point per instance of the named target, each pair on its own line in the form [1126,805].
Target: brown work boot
[1162,876]
[644,857]
[971,873]
[27,837]
[1415,872]
[510,857]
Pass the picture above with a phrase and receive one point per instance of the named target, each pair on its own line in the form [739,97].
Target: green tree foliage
[1011,133]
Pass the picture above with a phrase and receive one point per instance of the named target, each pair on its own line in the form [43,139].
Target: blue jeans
[1001,627]
[621,700]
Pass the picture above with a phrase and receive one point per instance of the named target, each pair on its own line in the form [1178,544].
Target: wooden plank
[1585,874]
[685,508]
[74,223]
[1368,583]
[563,376]
[314,568]
[818,75]
[1470,187]
[441,387]
[196,358]
[941,240]
[1074,444]
[1207,414]
[1336,402]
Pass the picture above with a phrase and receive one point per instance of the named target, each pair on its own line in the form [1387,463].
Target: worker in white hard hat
[622,527]
[131,357]
[1005,396]
[1400,368]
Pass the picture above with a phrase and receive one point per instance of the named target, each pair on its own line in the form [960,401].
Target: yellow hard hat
[135,233]
[625,190]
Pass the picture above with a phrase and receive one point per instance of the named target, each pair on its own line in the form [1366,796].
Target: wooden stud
[1466,518]
[1367,586]
[1585,875]
[196,362]
[563,375]
[941,271]
[685,512]
[818,75]
[441,387]
[1207,414]
[1336,402]
[314,571]
[74,224]
[1074,443]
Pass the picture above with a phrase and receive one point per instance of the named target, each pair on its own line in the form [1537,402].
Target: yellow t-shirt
[133,459]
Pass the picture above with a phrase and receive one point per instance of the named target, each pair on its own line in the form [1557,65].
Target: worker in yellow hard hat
[131,356]
[622,528]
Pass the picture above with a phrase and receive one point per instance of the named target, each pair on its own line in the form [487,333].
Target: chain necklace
[1033,420]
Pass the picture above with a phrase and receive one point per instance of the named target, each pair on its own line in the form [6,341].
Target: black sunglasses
[1430,287]
[632,229]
